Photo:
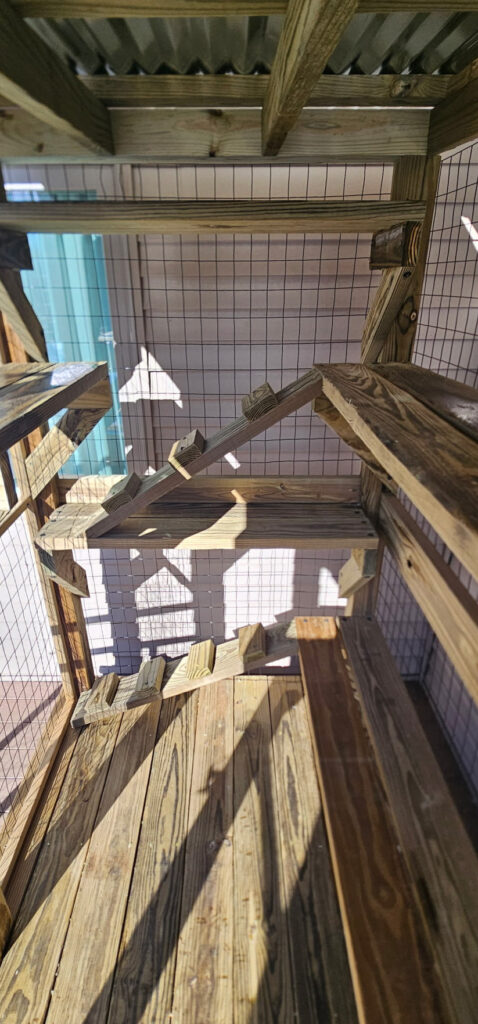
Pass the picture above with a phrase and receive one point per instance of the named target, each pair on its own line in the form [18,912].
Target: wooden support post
[311,31]
[455,120]
[396,246]
[34,78]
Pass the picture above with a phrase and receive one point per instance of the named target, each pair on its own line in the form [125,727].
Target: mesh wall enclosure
[199,321]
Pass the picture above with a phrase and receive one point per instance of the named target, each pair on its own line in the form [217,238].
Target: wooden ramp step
[202,526]
[231,658]
[404,866]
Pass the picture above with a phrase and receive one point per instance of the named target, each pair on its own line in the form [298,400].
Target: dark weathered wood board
[453,401]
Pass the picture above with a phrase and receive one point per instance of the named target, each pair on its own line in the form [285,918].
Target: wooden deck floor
[185,874]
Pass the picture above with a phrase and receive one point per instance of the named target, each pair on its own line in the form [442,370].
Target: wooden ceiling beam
[311,31]
[203,217]
[212,8]
[32,76]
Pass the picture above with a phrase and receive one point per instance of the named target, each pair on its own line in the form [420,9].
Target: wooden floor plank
[432,836]
[28,968]
[203,987]
[263,983]
[143,983]
[82,987]
[391,969]
[322,981]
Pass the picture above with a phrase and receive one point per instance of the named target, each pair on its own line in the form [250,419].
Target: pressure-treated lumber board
[435,464]
[61,441]
[310,33]
[26,978]
[148,680]
[29,402]
[454,401]
[121,492]
[281,642]
[186,450]
[232,136]
[20,315]
[201,216]
[205,949]
[357,571]
[392,975]
[101,696]
[144,976]
[200,660]
[247,489]
[252,642]
[322,982]
[327,411]
[35,78]
[455,120]
[5,922]
[14,251]
[441,858]
[396,246]
[445,602]
[87,968]
[8,490]
[10,516]
[236,433]
[60,567]
[204,527]
[249,90]
[388,301]
[208,8]
[263,981]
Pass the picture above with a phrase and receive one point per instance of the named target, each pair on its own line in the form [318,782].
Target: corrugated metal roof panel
[422,43]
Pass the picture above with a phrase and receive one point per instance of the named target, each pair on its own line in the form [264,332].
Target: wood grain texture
[440,856]
[395,247]
[120,493]
[453,401]
[200,660]
[101,695]
[216,526]
[357,572]
[322,983]
[259,401]
[392,974]
[8,490]
[228,136]
[32,76]
[252,642]
[203,985]
[20,315]
[435,464]
[186,450]
[28,403]
[263,982]
[60,567]
[149,679]
[446,603]
[327,411]
[26,979]
[61,441]
[144,976]
[310,33]
[388,301]
[455,121]
[87,968]
[5,922]
[249,90]
[206,8]
[148,216]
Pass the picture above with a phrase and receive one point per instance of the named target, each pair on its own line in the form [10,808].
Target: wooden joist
[29,401]
[199,216]
[440,856]
[60,567]
[222,91]
[395,247]
[435,464]
[310,33]
[391,971]
[32,76]
[455,120]
[228,662]
[210,8]
[445,602]
[453,401]
[205,527]
[357,571]
[14,250]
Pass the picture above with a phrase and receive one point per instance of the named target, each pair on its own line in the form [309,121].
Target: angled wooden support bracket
[357,571]
[60,567]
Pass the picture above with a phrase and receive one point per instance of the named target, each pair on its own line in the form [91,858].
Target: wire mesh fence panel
[30,685]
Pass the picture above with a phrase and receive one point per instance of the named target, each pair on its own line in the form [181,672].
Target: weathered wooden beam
[222,91]
[210,8]
[121,493]
[247,490]
[444,601]
[433,840]
[453,401]
[205,527]
[433,463]
[185,451]
[5,922]
[327,411]
[389,301]
[32,76]
[455,120]
[391,969]
[201,216]
[280,643]
[258,402]
[357,571]
[8,490]
[396,246]
[20,315]
[60,568]
[232,136]
[14,250]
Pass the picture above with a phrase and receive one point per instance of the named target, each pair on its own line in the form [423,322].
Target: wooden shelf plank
[205,527]
[441,859]
[393,978]
[435,464]
[170,216]
[453,401]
